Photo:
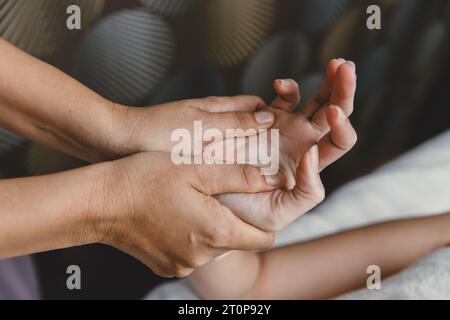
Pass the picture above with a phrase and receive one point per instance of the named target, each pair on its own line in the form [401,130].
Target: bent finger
[288,94]
[342,95]
[217,179]
[339,140]
[324,93]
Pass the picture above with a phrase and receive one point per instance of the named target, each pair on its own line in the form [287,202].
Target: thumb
[241,123]
[239,112]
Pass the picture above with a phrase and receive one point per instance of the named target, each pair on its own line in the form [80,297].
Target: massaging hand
[165,215]
[150,129]
[300,160]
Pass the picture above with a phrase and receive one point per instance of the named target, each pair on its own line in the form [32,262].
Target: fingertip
[333,66]
[278,83]
[279,86]
[352,64]
[347,70]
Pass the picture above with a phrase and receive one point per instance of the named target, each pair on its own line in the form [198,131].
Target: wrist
[94,221]
[125,137]
[111,205]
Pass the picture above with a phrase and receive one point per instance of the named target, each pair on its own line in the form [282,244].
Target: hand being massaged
[309,141]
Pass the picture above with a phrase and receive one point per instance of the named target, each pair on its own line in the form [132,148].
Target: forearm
[51,212]
[325,267]
[45,105]
[330,266]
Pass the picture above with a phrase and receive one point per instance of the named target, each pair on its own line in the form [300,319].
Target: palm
[297,135]
[275,209]
[267,209]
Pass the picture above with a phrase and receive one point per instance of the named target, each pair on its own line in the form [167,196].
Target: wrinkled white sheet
[416,184]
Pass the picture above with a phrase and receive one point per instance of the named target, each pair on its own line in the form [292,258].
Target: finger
[324,93]
[217,179]
[239,123]
[342,95]
[288,94]
[234,234]
[308,191]
[229,104]
[244,150]
[339,141]
[247,237]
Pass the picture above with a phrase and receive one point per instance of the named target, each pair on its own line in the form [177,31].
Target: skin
[114,203]
[322,268]
[320,122]
[39,102]
[126,203]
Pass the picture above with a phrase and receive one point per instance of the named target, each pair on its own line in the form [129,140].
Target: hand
[165,215]
[298,134]
[150,129]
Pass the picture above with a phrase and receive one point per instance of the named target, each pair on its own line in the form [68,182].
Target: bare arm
[325,267]
[50,212]
[128,204]
[45,105]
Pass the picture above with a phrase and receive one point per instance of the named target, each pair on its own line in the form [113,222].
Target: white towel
[427,279]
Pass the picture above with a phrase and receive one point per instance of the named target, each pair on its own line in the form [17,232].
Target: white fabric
[425,280]
[417,183]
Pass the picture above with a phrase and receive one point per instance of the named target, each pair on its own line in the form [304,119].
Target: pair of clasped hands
[204,211]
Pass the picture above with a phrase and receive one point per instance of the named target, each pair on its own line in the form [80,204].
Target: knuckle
[250,177]
[218,237]
[319,194]
[202,179]
[196,261]
[216,101]
[182,272]
[242,119]
[245,175]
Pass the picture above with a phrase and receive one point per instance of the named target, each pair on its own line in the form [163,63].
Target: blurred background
[145,52]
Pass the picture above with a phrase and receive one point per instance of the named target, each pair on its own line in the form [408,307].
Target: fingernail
[264,117]
[341,60]
[272,180]
[352,64]
[281,82]
[314,157]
